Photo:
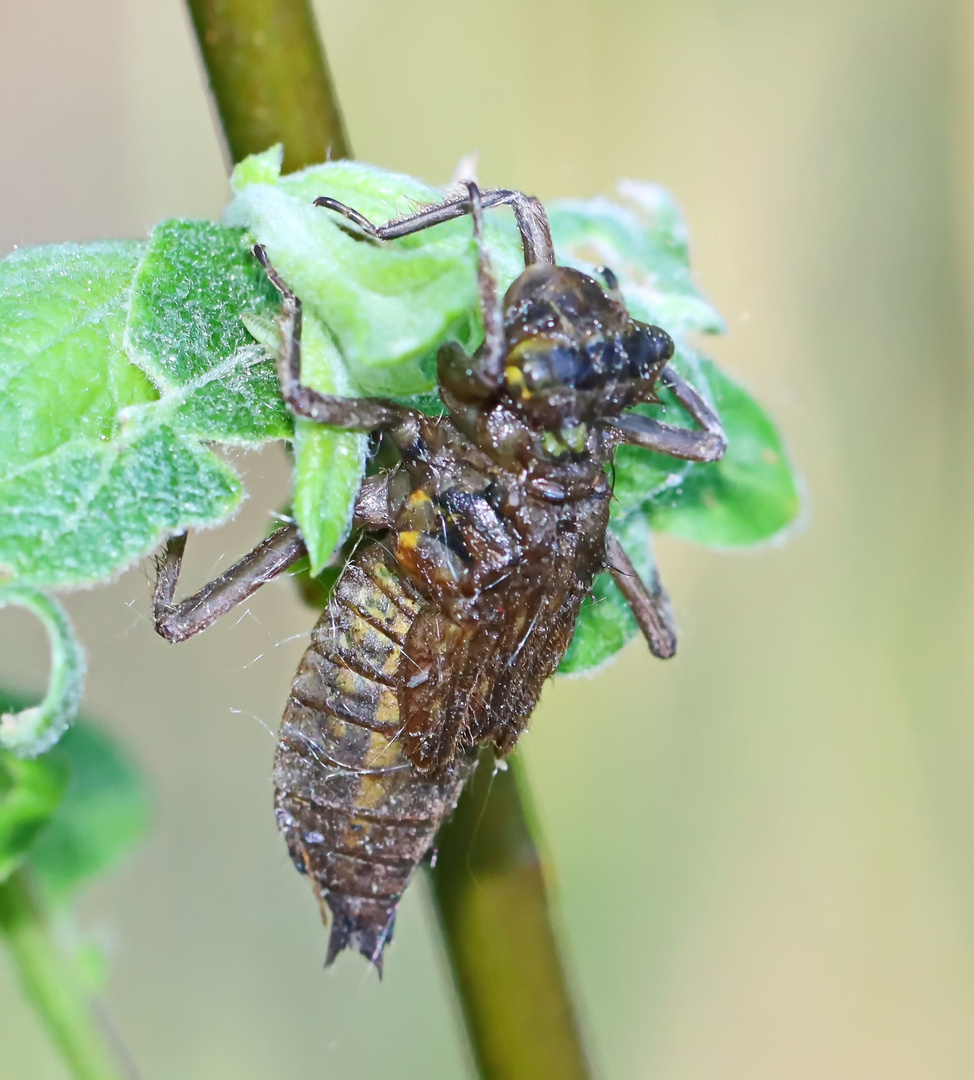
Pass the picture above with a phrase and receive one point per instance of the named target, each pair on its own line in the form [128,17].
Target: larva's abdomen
[357,815]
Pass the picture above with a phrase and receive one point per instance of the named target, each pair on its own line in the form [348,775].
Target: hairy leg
[180,620]
[651,606]
[532,221]
[490,356]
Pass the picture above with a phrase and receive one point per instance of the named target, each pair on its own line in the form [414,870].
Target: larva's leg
[706,444]
[184,618]
[488,364]
[532,221]
[650,605]
[351,414]
[454,367]
[180,620]
[490,356]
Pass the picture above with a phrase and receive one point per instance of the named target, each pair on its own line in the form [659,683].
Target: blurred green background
[765,848]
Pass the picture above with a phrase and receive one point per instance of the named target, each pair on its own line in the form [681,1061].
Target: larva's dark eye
[547,369]
[602,361]
[564,365]
[649,348]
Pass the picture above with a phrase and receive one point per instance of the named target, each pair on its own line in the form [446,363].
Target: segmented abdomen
[356,814]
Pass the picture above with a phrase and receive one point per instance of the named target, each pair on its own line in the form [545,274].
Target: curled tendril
[31,731]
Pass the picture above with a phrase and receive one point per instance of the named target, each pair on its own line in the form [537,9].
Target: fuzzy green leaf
[328,464]
[119,363]
[29,794]
[751,496]
[102,815]
[389,306]
[71,813]
[186,333]
[64,371]
[640,236]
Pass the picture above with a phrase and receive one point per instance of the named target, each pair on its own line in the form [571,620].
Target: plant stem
[490,893]
[268,74]
[51,984]
[488,884]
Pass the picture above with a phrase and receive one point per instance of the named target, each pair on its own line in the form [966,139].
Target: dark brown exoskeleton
[479,546]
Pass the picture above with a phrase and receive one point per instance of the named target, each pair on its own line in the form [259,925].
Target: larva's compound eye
[648,349]
[542,366]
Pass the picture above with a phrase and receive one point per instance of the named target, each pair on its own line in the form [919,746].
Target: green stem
[268,74]
[490,893]
[488,885]
[50,982]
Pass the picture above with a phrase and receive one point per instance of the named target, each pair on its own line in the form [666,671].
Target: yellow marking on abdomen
[387,710]
[382,752]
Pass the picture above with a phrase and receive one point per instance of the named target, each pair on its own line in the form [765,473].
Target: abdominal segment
[357,815]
